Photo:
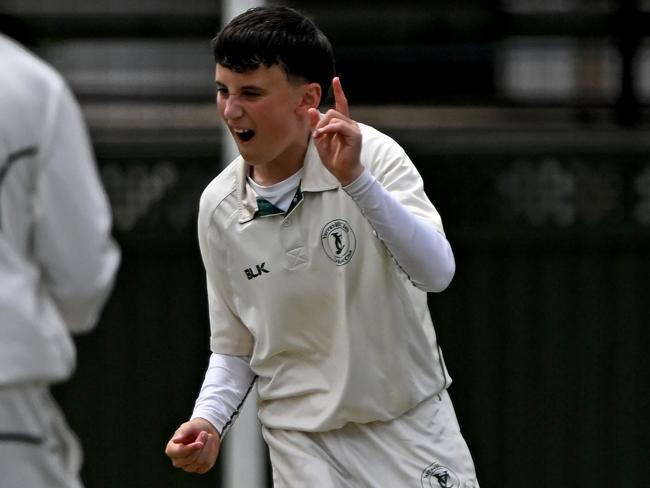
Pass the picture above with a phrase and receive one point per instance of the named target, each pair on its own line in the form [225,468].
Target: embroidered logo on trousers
[438,476]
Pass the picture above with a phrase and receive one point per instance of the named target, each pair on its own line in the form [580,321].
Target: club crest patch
[438,476]
[339,241]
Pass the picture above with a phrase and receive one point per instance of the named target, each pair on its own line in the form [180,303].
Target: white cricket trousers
[37,448]
[423,448]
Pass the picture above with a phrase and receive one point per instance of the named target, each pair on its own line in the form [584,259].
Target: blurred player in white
[319,246]
[57,265]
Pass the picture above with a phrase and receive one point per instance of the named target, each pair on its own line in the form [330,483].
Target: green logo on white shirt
[339,241]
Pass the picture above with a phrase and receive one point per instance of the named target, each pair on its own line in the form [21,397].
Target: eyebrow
[219,84]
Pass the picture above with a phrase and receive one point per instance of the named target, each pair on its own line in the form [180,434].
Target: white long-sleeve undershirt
[419,249]
[228,380]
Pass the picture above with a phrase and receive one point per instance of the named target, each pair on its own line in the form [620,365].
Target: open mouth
[244,135]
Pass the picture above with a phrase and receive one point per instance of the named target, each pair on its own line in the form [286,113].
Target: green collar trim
[267,209]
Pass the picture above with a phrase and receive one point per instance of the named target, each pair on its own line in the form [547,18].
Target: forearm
[227,382]
[418,248]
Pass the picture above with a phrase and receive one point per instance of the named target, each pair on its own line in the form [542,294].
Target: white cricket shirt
[335,329]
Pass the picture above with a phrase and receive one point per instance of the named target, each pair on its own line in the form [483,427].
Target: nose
[232,109]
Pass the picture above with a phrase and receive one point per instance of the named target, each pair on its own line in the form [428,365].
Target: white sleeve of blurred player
[228,380]
[418,248]
[72,225]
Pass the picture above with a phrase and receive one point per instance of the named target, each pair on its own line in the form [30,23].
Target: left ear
[310,98]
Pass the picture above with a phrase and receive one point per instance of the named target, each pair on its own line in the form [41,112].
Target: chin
[251,159]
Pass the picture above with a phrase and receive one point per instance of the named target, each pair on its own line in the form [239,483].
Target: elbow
[81,300]
[442,279]
[441,275]
[81,312]
[79,322]
[445,269]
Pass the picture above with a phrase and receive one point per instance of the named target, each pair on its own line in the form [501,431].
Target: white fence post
[244,453]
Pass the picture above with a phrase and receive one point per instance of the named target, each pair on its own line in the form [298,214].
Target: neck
[267,178]
[287,164]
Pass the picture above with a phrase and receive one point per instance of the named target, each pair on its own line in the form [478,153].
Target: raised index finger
[340,102]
